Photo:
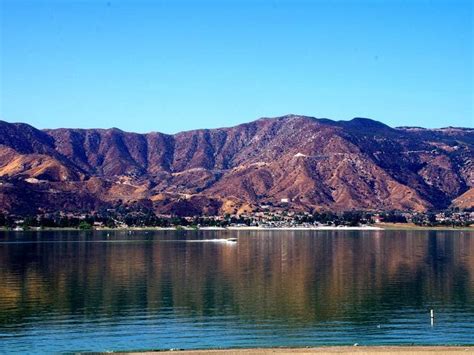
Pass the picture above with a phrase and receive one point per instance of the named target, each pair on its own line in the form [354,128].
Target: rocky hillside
[311,163]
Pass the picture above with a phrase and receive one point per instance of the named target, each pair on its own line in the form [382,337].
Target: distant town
[263,218]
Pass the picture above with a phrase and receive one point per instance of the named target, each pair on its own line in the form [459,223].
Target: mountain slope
[315,163]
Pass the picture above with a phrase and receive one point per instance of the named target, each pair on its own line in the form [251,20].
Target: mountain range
[296,162]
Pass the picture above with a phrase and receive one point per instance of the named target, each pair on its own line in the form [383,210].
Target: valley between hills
[292,162]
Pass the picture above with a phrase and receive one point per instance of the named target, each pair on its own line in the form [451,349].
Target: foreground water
[78,291]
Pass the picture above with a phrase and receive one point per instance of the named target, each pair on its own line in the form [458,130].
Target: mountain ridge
[315,163]
[321,119]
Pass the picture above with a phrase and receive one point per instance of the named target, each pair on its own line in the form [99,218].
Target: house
[377,218]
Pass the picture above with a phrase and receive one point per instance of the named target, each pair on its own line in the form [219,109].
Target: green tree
[85,226]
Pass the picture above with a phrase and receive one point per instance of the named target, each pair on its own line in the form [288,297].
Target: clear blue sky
[177,65]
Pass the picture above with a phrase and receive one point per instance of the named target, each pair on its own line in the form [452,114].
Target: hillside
[316,164]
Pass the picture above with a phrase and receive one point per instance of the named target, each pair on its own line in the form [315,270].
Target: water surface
[86,291]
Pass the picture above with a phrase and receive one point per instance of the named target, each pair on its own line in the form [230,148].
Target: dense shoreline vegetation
[146,218]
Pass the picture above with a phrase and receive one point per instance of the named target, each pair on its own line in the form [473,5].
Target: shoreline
[379,227]
[293,228]
[386,350]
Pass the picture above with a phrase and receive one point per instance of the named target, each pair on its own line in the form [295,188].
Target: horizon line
[243,123]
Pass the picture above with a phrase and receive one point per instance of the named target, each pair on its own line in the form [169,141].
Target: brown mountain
[314,163]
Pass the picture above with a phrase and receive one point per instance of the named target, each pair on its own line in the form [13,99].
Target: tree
[352,218]
[85,226]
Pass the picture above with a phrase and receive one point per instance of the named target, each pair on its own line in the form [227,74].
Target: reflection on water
[65,291]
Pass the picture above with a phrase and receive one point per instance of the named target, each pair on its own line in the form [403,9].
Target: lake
[89,291]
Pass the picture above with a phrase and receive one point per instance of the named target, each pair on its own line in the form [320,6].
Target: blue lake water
[86,291]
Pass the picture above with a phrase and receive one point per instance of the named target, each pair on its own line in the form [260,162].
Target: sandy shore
[382,350]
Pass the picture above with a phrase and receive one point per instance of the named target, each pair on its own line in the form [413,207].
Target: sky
[177,65]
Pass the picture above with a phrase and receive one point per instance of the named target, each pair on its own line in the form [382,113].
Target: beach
[382,350]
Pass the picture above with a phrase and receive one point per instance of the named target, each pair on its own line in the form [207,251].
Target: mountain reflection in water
[70,291]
